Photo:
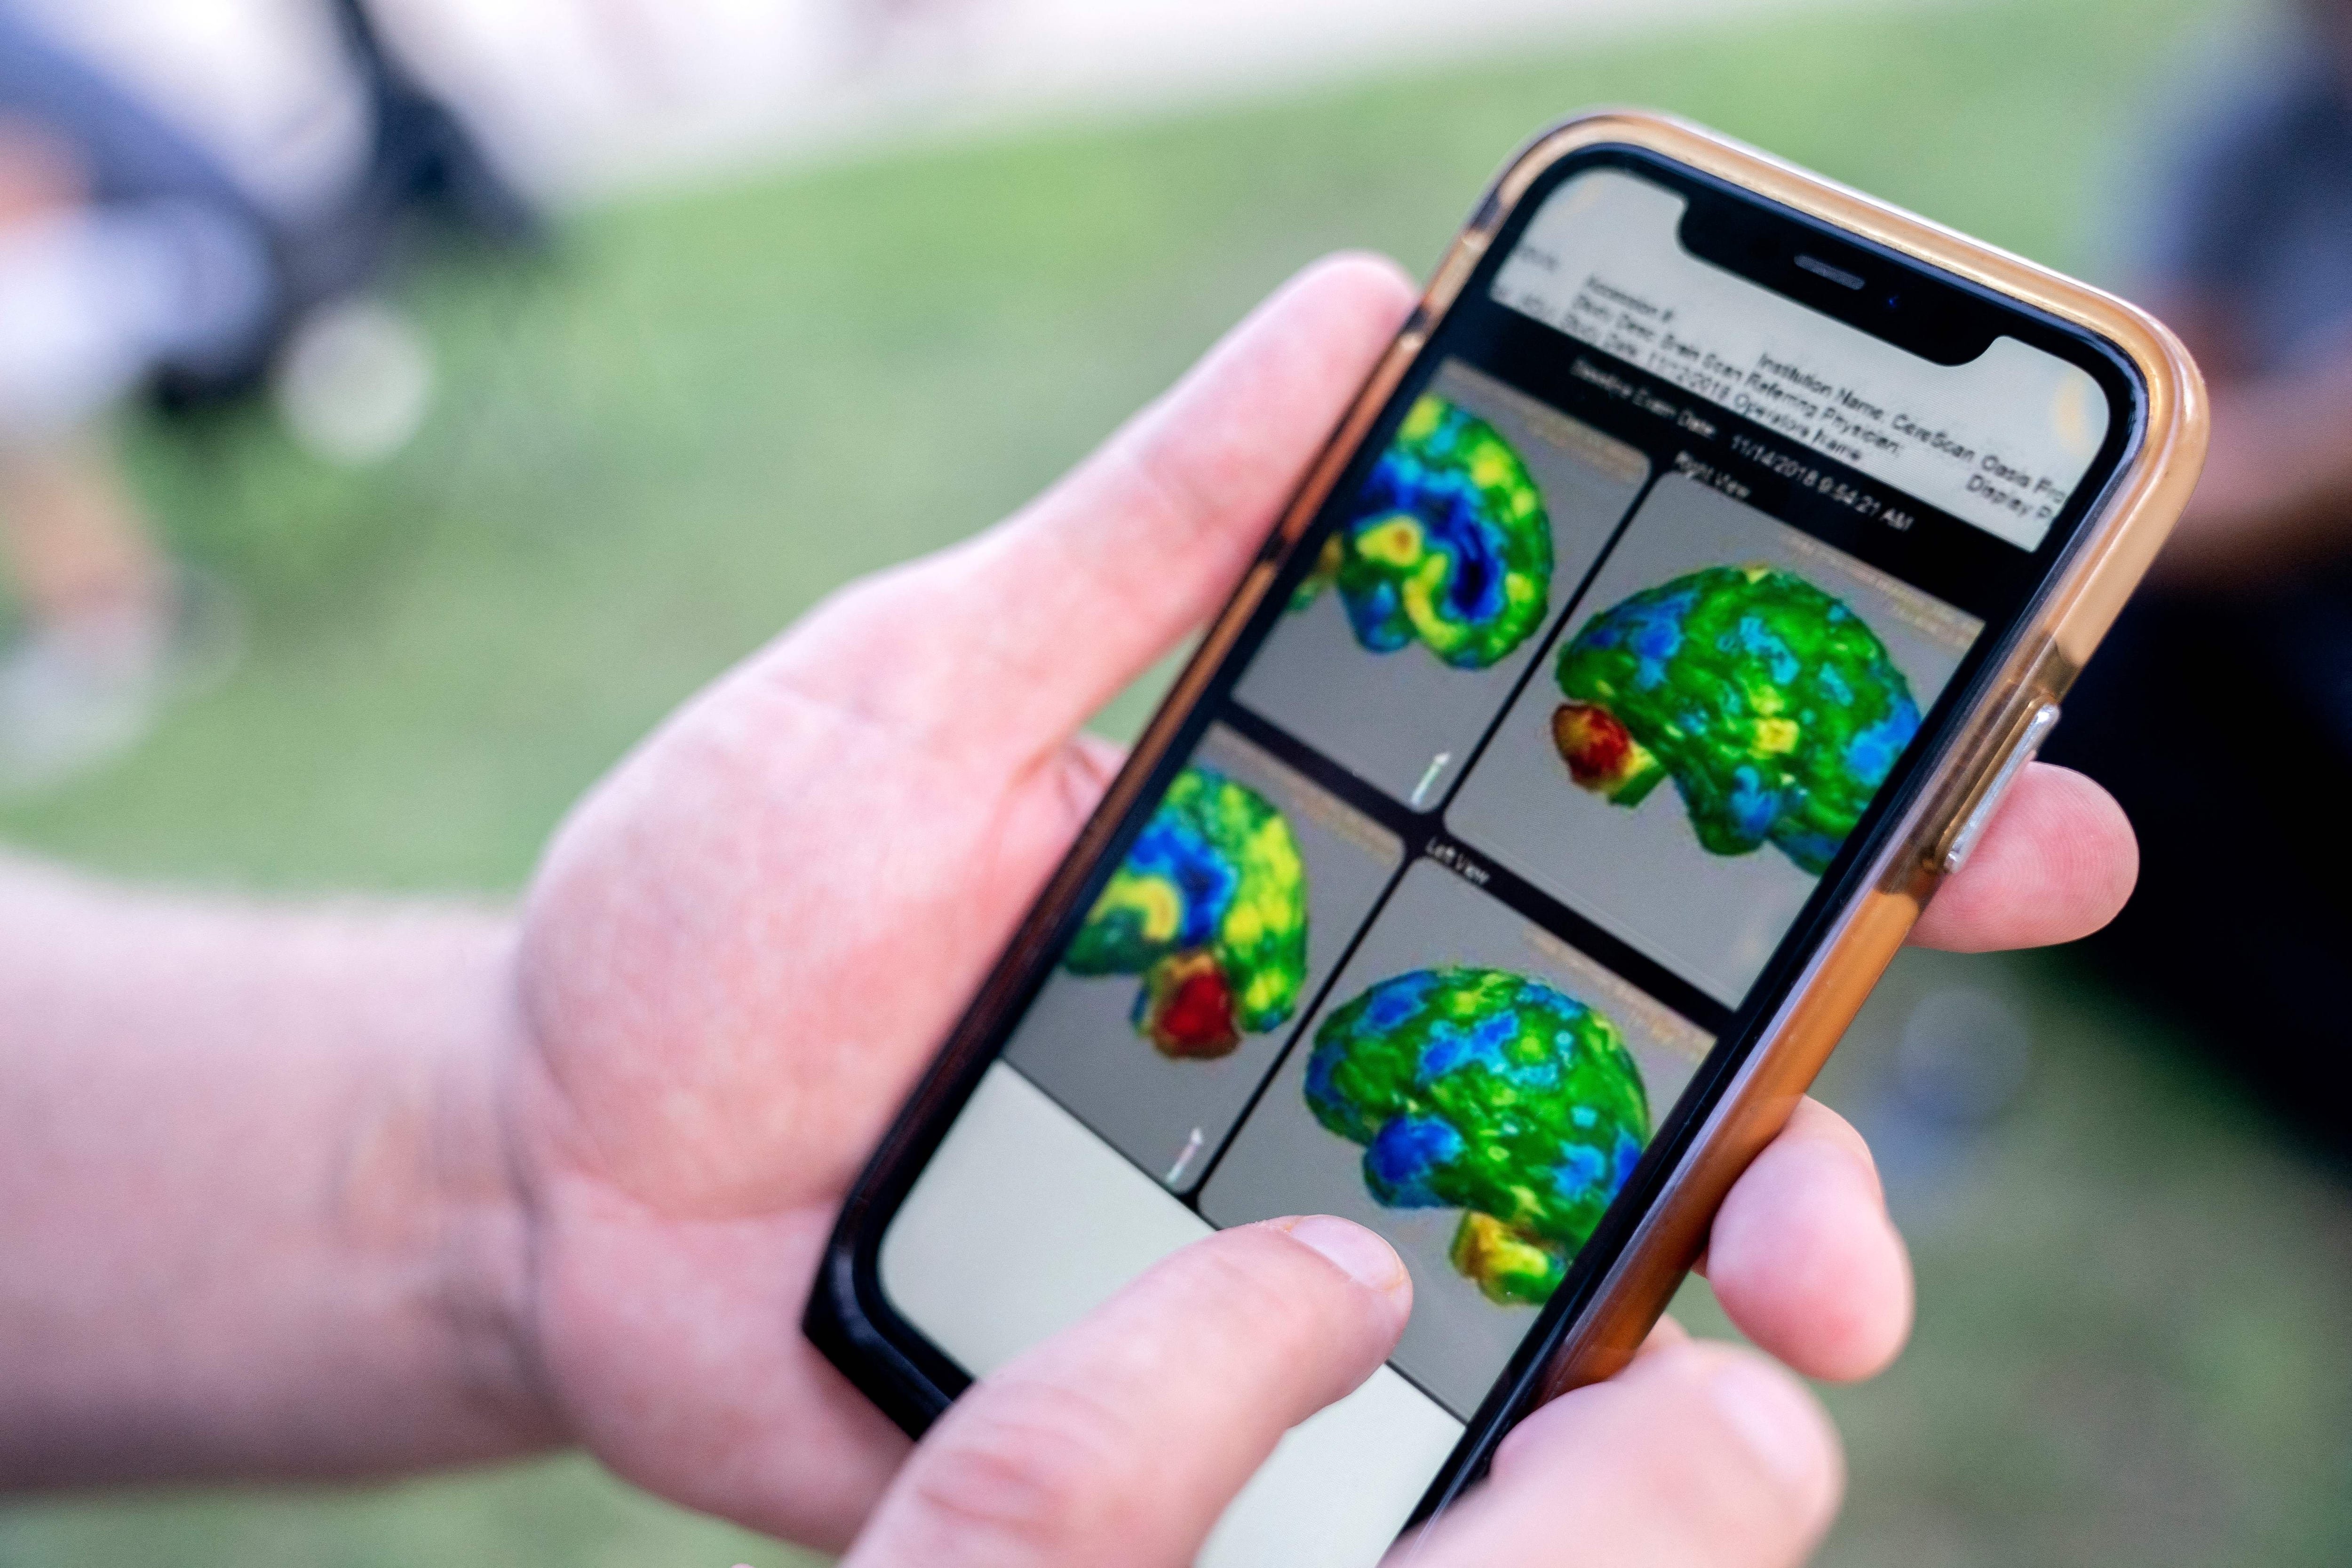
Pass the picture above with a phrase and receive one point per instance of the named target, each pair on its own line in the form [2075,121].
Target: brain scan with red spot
[1210,910]
[1774,709]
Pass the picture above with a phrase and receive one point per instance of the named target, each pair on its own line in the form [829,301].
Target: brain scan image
[1210,909]
[1493,1093]
[1774,709]
[1448,544]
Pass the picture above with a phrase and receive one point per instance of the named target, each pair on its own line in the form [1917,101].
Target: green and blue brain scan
[1447,545]
[1210,909]
[1774,709]
[1493,1093]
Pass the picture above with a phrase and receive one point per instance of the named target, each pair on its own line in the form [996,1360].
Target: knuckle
[1275,1308]
[1037,1469]
[1748,1486]
[1656,1462]
[1083,770]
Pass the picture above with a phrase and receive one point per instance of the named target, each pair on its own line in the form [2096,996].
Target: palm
[726,1028]
[747,942]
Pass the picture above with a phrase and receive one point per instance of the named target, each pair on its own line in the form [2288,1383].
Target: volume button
[2029,742]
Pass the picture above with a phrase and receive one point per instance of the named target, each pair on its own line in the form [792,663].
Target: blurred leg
[75,541]
[123,254]
[83,680]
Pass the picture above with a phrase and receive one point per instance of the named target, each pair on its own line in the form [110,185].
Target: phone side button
[2029,742]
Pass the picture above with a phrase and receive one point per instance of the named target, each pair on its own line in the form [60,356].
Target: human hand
[746,942]
[1064,1456]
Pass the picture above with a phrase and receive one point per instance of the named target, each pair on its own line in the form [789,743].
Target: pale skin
[338,1193]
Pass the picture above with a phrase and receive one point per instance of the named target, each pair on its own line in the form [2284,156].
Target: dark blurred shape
[2220,711]
[422,159]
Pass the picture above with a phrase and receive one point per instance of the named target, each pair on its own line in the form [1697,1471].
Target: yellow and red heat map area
[1210,909]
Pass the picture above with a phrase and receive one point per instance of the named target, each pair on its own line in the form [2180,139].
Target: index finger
[2057,863]
[1123,1440]
[1804,1258]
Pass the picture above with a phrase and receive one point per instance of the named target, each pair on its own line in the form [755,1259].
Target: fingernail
[1361,1255]
[1772,1415]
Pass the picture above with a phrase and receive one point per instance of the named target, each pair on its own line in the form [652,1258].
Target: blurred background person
[134,255]
[2222,713]
[126,253]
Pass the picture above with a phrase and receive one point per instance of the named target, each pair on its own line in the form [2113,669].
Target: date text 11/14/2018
[1845,493]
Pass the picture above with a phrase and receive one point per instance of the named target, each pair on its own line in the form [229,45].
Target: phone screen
[1518,803]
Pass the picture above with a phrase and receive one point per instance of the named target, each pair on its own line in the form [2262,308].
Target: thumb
[1695,1454]
[1054,611]
[1124,1438]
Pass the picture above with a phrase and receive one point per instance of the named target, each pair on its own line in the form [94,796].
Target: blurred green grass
[707,409]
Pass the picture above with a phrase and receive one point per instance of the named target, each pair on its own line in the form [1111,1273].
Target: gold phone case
[2108,561]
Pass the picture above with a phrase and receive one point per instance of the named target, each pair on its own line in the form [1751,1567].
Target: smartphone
[1663,619]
